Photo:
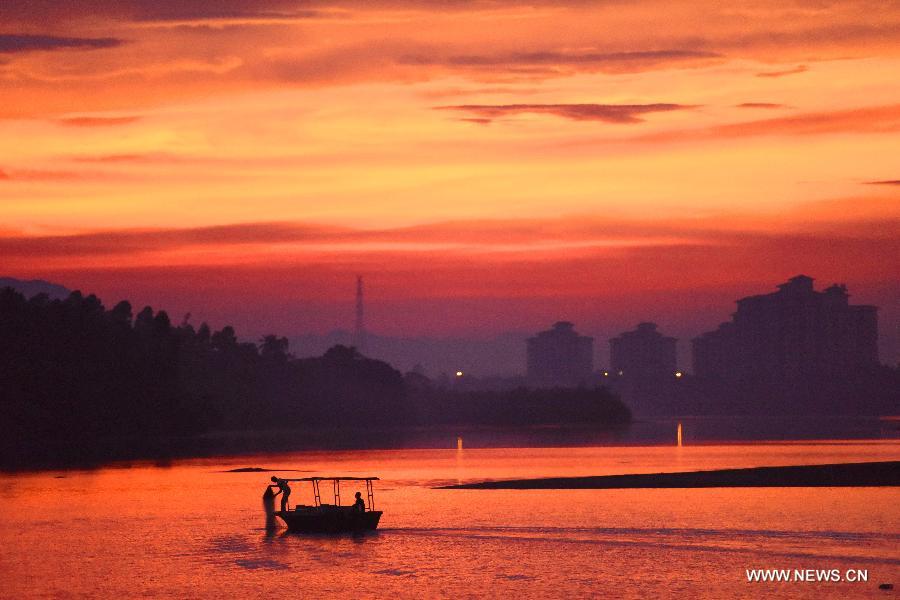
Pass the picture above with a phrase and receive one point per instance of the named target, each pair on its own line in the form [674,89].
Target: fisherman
[284,489]
[360,505]
[269,506]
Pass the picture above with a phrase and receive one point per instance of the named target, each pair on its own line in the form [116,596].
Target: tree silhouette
[272,347]
[78,383]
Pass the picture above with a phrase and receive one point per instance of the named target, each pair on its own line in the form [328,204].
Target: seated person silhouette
[284,489]
[359,506]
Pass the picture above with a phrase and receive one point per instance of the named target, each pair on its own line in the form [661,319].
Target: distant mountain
[34,287]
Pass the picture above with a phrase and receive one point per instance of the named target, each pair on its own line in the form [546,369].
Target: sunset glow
[487,165]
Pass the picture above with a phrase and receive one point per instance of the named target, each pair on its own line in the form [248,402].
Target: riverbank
[75,453]
[869,474]
[80,453]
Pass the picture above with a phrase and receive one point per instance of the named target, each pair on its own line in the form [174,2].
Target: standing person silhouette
[269,507]
[284,489]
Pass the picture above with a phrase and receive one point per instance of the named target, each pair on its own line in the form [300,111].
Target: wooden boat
[331,518]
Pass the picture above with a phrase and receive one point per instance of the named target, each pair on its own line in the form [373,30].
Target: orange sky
[487,165]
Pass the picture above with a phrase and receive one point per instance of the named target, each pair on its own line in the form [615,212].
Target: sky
[487,166]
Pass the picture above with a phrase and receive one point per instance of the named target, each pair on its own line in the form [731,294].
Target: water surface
[190,530]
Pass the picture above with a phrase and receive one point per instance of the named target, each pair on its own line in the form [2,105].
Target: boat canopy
[336,483]
[334,479]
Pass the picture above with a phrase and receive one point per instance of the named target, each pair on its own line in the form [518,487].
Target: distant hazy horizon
[491,351]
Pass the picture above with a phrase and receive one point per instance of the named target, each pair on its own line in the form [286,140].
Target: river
[191,529]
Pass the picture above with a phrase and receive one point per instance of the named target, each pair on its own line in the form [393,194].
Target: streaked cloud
[608,113]
[13,43]
[148,157]
[38,175]
[98,121]
[623,61]
[760,105]
[868,120]
[575,233]
[784,72]
[28,11]
[124,242]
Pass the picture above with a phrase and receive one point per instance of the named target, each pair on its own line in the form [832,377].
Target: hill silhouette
[33,287]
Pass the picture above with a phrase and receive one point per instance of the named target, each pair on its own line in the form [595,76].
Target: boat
[331,518]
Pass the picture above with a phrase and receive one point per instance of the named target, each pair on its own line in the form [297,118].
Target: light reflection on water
[191,530]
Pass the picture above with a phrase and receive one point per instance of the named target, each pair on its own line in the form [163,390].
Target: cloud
[479,91]
[489,41]
[785,72]
[811,38]
[223,16]
[500,235]
[608,113]
[760,105]
[877,119]
[403,58]
[351,62]
[884,182]
[550,61]
[188,13]
[126,158]
[30,11]
[559,58]
[869,120]
[587,58]
[871,218]
[11,43]
[97,121]
[37,175]
[124,242]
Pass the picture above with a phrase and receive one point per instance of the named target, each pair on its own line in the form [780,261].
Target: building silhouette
[643,370]
[789,339]
[643,353]
[559,357]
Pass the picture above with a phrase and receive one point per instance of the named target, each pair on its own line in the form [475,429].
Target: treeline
[447,405]
[73,372]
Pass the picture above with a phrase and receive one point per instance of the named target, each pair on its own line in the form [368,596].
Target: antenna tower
[359,336]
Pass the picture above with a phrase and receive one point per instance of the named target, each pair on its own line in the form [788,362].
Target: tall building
[560,357]
[790,337]
[643,353]
[642,365]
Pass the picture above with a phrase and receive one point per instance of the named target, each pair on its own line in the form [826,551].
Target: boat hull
[339,521]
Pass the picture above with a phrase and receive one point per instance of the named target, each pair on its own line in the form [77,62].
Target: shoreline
[866,474]
[78,453]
